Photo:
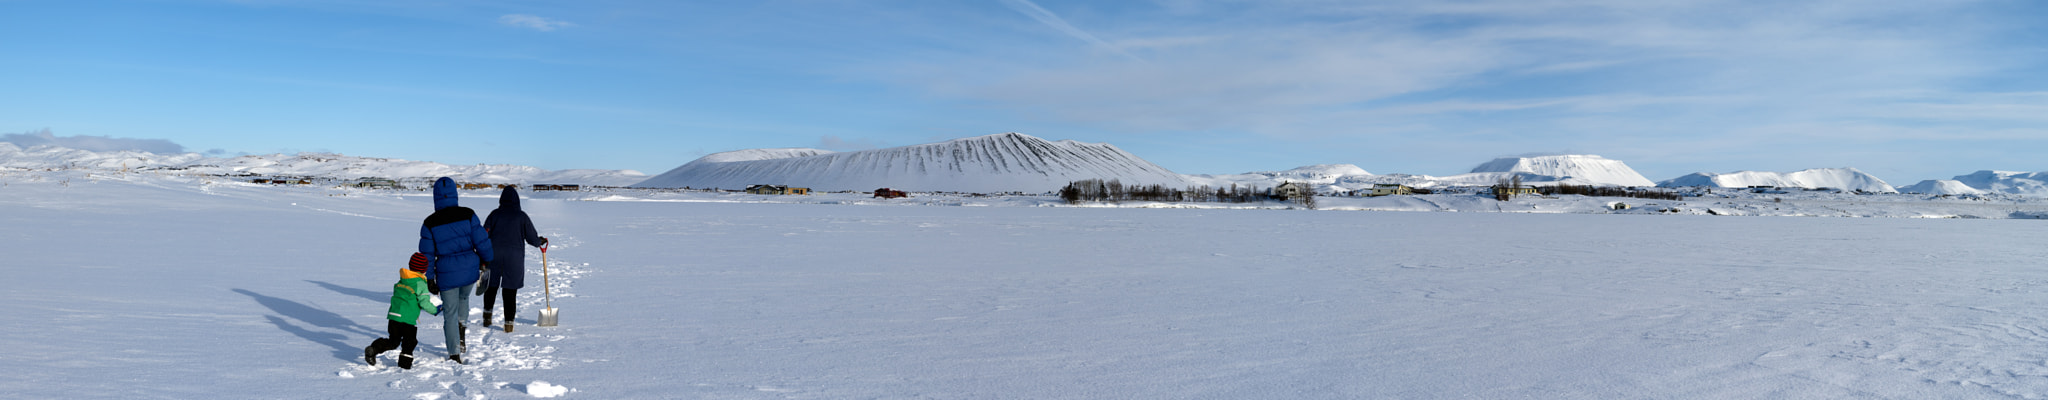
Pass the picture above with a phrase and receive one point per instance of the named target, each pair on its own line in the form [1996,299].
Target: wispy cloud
[1060,24]
[533,22]
[92,143]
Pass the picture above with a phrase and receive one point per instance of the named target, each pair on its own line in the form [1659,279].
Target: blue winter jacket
[511,231]
[454,239]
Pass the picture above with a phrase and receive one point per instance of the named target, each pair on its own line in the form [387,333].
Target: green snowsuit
[410,296]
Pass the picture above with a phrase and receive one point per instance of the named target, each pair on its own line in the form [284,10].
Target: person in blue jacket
[510,228]
[461,250]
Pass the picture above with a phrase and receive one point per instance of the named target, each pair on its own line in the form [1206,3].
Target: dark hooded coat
[509,228]
[454,239]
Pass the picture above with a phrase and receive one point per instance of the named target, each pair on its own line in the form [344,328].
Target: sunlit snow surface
[143,286]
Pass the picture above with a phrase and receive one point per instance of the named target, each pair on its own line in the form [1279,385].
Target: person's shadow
[369,295]
[317,318]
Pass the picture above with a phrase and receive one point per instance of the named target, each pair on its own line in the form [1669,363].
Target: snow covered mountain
[1573,169]
[1008,162]
[1580,169]
[2021,183]
[1324,177]
[1836,178]
[1940,186]
[325,165]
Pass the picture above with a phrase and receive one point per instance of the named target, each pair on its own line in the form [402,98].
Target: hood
[444,193]
[510,200]
[408,273]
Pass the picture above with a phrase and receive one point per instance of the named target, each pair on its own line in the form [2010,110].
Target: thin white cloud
[1060,24]
[533,22]
[1284,68]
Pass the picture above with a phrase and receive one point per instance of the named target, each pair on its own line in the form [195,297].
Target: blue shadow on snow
[317,318]
[365,294]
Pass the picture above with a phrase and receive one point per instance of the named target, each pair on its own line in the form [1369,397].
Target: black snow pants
[404,336]
[511,308]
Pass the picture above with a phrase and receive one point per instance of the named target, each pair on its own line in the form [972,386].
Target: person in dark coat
[460,249]
[509,228]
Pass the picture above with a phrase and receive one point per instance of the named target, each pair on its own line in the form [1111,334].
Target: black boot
[487,318]
[405,361]
[462,335]
[378,346]
[456,358]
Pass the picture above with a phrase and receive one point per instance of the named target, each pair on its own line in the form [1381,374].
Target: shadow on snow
[318,319]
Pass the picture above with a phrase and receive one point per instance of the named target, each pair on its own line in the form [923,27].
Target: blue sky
[1905,90]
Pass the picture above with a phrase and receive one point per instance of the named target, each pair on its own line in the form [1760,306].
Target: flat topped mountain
[1580,167]
[1008,162]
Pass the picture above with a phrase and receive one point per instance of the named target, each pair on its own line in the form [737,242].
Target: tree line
[1609,191]
[1113,190]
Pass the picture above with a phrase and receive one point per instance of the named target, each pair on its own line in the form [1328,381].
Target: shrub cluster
[1113,190]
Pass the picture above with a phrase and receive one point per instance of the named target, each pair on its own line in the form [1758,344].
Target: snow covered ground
[166,286]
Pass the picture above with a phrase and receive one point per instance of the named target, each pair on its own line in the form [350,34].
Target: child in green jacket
[408,298]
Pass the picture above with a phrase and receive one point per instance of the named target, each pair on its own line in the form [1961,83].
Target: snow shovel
[547,315]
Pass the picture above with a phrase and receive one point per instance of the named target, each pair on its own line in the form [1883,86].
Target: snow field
[157,287]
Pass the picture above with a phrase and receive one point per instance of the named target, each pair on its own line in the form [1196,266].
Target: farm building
[888,193]
[1291,190]
[777,189]
[1503,192]
[1388,189]
[375,183]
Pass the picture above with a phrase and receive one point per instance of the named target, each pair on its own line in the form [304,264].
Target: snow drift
[1818,178]
[1008,162]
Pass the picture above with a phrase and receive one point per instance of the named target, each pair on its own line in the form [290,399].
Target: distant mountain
[1941,186]
[324,165]
[1581,169]
[2020,183]
[1008,162]
[1574,169]
[1322,176]
[1835,178]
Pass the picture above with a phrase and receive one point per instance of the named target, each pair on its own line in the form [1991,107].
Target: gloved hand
[433,288]
[438,309]
[543,244]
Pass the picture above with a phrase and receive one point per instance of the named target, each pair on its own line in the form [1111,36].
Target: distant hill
[1818,178]
[1940,186]
[1579,169]
[324,165]
[1008,162]
[2020,183]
